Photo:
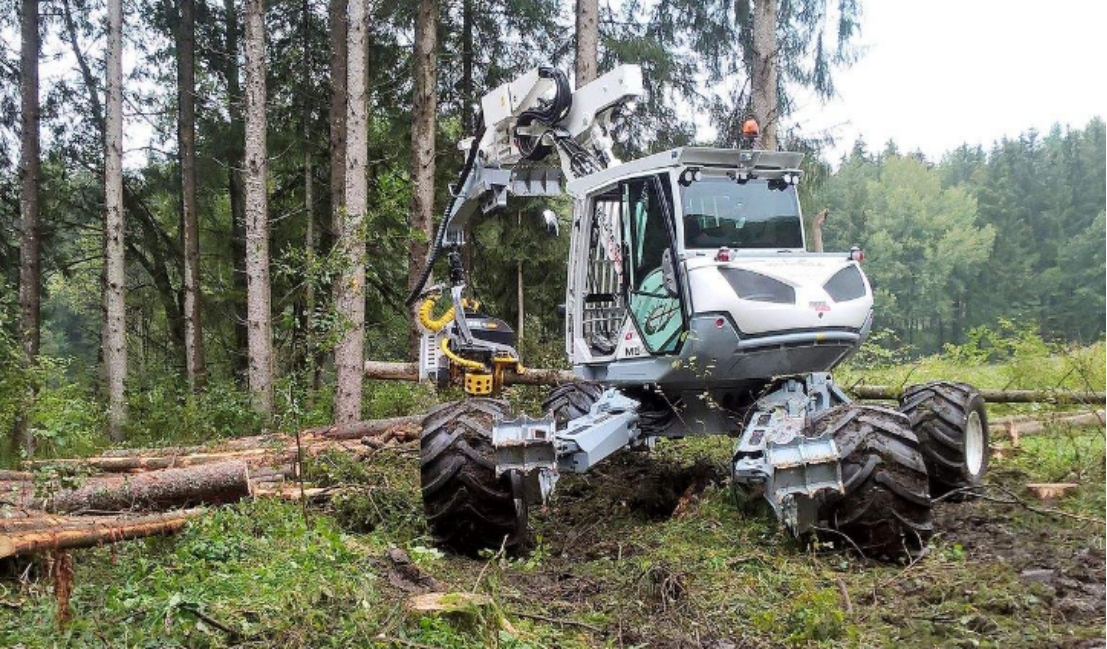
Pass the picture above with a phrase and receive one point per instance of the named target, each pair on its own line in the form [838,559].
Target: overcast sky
[937,73]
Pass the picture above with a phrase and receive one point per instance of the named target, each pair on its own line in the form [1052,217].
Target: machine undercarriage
[692,308]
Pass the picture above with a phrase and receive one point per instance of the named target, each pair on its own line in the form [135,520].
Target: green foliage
[65,419]
[374,496]
[811,616]
[1013,233]
[922,241]
[1007,356]
[16,380]
[258,568]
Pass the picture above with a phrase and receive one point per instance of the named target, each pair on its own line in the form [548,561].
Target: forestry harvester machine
[692,308]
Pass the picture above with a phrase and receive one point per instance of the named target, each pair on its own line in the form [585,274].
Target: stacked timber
[132,493]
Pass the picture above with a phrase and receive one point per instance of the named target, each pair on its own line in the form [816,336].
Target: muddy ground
[610,553]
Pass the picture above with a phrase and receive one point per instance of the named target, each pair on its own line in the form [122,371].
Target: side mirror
[668,274]
[549,217]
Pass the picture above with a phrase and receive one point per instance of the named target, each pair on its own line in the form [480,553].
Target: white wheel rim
[974,444]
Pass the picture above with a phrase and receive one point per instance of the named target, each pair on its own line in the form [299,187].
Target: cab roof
[764,163]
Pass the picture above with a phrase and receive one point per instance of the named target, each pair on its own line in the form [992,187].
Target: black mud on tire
[572,400]
[885,510]
[467,507]
[942,414]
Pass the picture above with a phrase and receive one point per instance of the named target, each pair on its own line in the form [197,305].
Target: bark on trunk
[195,367]
[424,109]
[211,484]
[114,331]
[30,246]
[519,287]
[350,289]
[588,41]
[817,230]
[763,98]
[257,220]
[94,532]
[338,29]
[309,356]
[467,98]
[519,299]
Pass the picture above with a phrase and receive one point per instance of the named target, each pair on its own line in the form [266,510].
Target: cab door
[653,285]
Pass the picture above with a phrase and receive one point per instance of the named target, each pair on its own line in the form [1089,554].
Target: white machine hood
[782,292]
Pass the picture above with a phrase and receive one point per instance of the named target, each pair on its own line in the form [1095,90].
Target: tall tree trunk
[190,229]
[310,358]
[763,99]
[588,41]
[337,116]
[424,109]
[817,230]
[467,99]
[236,192]
[519,285]
[115,331]
[257,215]
[30,245]
[156,240]
[350,289]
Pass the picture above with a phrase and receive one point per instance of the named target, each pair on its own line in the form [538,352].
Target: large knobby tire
[885,509]
[951,423]
[572,400]
[468,508]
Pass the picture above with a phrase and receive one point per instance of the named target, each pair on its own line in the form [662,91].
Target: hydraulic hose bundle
[440,234]
[549,114]
[530,147]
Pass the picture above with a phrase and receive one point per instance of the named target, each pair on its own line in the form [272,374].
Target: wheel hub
[974,444]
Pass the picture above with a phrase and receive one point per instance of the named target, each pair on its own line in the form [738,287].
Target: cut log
[1015,428]
[140,463]
[95,531]
[261,450]
[364,428]
[385,371]
[292,492]
[1050,490]
[32,521]
[891,393]
[16,476]
[211,484]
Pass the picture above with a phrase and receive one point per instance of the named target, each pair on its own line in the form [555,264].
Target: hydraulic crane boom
[523,122]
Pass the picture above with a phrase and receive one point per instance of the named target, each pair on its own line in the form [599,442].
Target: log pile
[132,493]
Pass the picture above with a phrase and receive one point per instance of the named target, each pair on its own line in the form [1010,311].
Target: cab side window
[656,312]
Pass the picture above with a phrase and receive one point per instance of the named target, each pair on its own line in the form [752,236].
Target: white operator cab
[688,267]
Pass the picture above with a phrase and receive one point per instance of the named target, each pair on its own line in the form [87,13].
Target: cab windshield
[720,212]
